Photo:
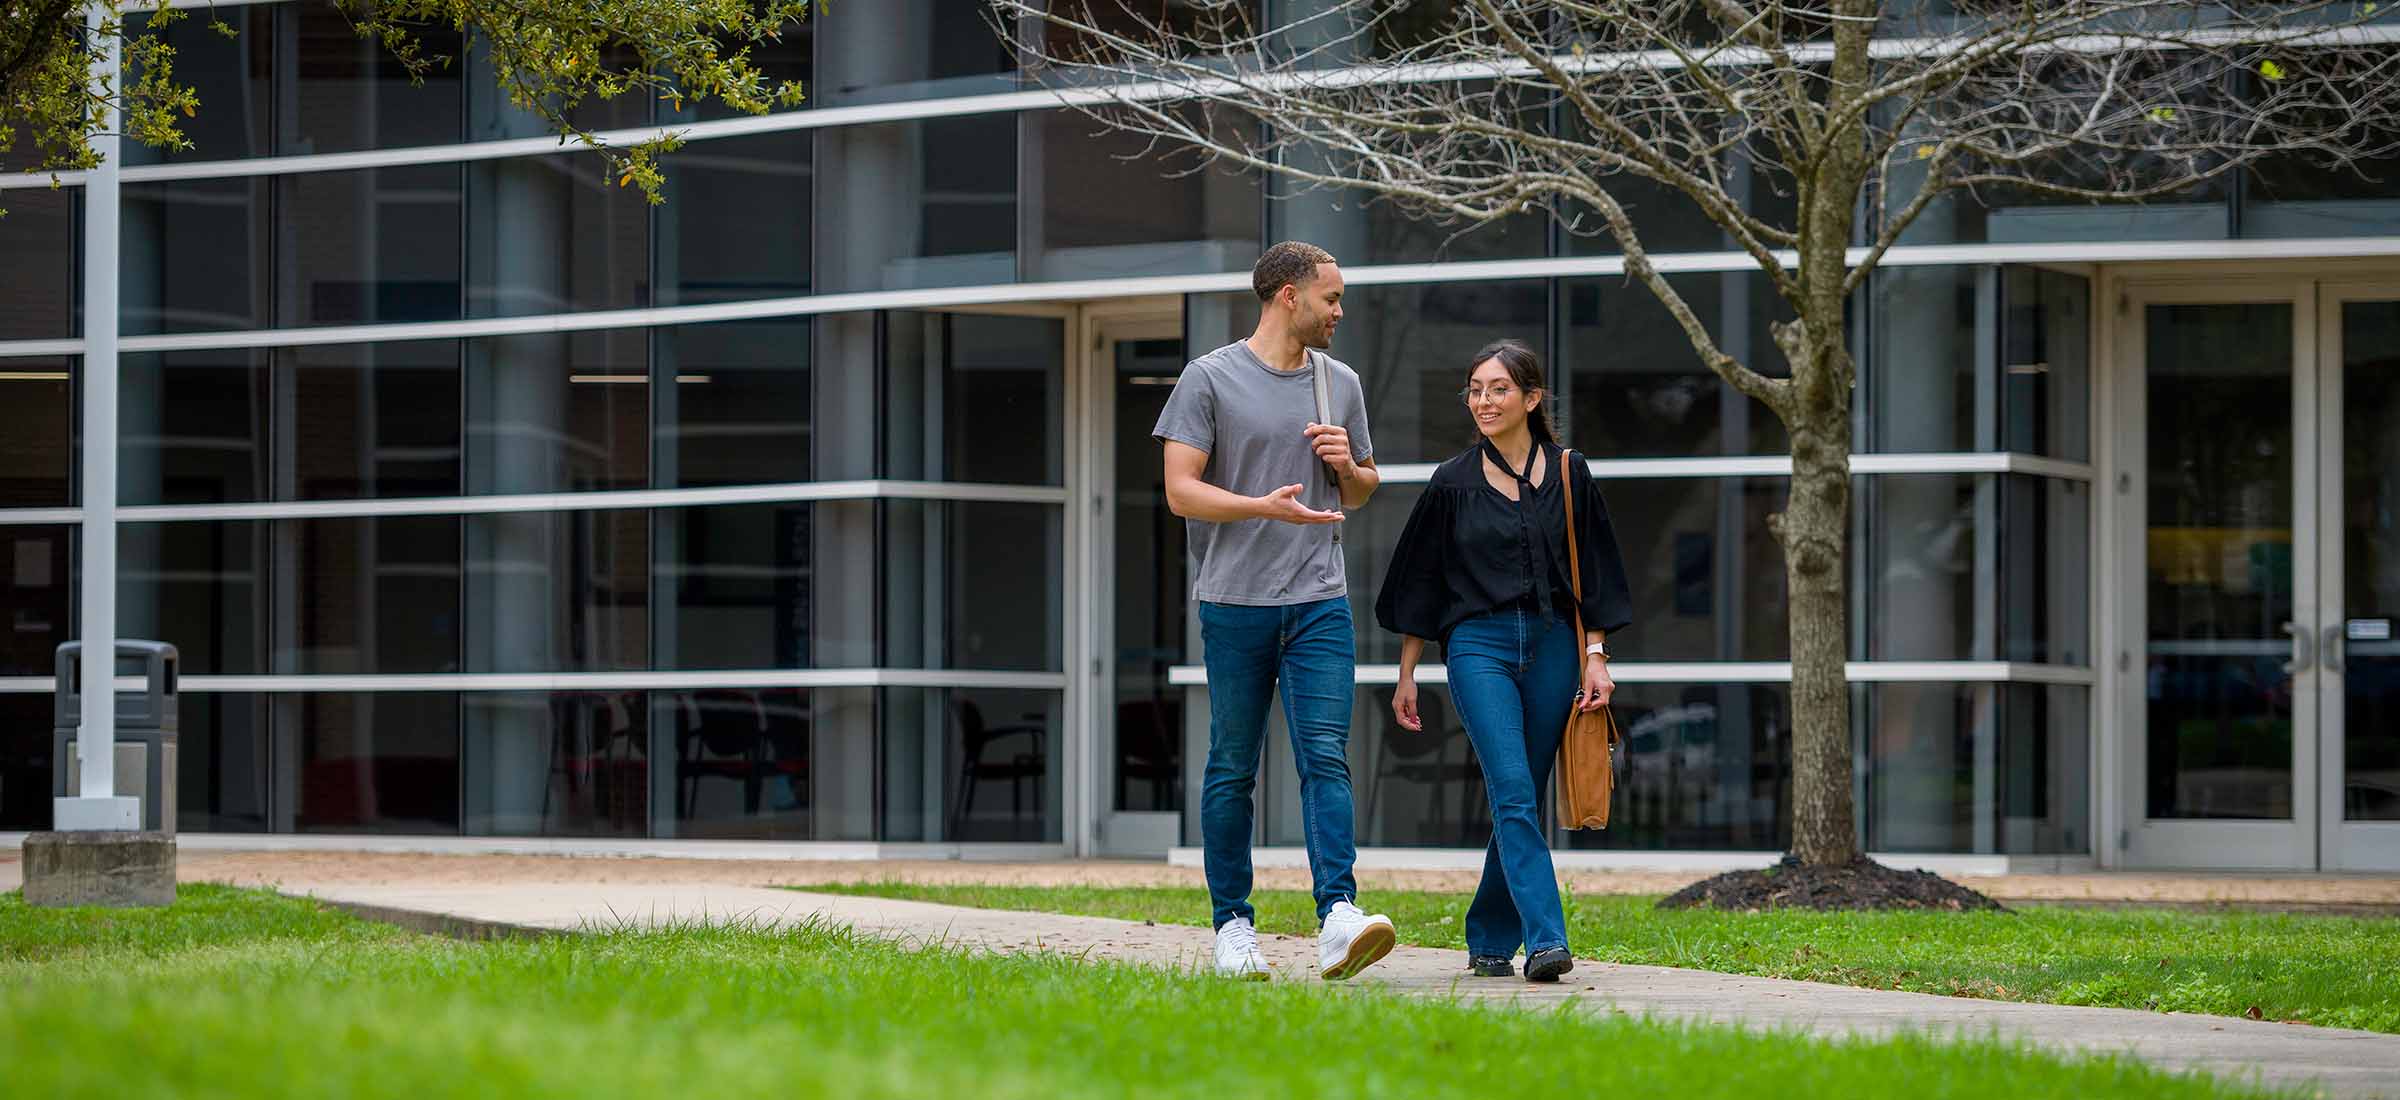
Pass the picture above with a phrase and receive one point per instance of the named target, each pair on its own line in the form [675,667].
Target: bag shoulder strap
[1566,492]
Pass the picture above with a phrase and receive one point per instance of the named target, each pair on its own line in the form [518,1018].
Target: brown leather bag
[1586,772]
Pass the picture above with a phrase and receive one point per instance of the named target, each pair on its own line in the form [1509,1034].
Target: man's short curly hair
[1291,262]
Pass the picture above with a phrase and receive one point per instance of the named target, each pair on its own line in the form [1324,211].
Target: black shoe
[1547,965]
[1491,966]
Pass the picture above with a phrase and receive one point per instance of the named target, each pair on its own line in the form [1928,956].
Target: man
[1247,467]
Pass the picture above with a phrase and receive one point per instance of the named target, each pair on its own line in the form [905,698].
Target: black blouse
[1469,550]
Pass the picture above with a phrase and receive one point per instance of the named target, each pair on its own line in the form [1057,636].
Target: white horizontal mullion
[44,349]
[1735,672]
[586,681]
[26,517]
[794,492]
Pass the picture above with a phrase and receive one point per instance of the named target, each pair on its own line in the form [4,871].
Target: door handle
[2303,642]
[2333,648]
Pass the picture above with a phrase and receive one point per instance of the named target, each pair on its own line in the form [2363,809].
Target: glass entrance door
[2223,739]
[2359,630]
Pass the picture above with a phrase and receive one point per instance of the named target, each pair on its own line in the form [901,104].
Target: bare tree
[1843,106]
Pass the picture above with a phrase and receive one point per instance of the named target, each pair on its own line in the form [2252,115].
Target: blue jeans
[1309,647]
[1513,678]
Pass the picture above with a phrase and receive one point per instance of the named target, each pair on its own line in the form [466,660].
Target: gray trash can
[146,725]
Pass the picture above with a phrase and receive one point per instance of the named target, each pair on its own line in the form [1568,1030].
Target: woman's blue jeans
[1309,651]
[1513,678]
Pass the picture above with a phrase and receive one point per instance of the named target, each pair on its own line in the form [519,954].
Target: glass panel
[2370,504]
[2046,372]
[345,92]
[558,591]
[971,765]
[735,224]
[737,586]
[1636,389]
[230,75]
[917,204]
[1412,346]
[1704,766]
[2303,196]
[368,420]
[973,397]
[372,762]
[36,600]
[923,49]
[1412,789]
[37,432]
[1104,204]
[1151,584]
[741,768]
[568,763]
[369,596]
[195,256]
[1361,231]
[558,412]
[1995,768]
[26,775]
[192,427]
[972,585]
[222,763]
[1973,567]
[2219,563]
[368,247]
[1980,359]
[785,57]
[554,234]
[41,285]
[201,586]
[491,116]
[733,403]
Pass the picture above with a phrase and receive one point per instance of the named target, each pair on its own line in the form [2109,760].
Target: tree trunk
[1813,530]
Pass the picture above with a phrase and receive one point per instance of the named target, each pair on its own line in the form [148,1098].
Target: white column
[95,807]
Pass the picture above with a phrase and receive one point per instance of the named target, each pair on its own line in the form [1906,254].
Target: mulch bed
[1865,884]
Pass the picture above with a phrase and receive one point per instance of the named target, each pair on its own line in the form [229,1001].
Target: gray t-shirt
[1252,420]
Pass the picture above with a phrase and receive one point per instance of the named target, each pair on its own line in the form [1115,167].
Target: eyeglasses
[1496,393]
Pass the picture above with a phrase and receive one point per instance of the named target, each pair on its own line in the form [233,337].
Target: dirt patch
[1791,884]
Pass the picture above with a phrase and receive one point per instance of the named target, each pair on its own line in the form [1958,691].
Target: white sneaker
[1351,942]
[1237,951]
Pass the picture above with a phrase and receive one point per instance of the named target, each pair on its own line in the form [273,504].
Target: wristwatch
[1596,649]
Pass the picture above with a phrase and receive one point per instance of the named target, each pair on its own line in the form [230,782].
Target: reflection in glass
[1411,788]
[569,763]
[735,224]
[1411,347]
[349,93]
[554,234]
[1980,359]
[1636,389]
[2219,563]
[368,247]
[737,586]
[733,403]
[232,77]
[972,585]
[558,412]
[1105,204]
[1702,766]
[201,585]
[558,591]
[1973,567]
[369,596]
[37,430]
[26,775]
[974,397]
[222,763]
[36,605]
[1976,768]
[917,204]
[2370,490]
[741,765]
[369,762]
[192,427]
[368,420]
[1151,586]
[196,254]
[42,282]
[923,49]
[2301,195]
[971,765]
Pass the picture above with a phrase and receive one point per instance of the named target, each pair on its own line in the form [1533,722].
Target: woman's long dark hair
[1525,371]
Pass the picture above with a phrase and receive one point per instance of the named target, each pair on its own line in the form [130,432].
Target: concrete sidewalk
[2336,1063]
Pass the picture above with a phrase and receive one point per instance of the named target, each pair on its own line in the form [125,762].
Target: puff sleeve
[1607,599]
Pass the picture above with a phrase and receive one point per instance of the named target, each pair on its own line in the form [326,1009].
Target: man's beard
[1320,337]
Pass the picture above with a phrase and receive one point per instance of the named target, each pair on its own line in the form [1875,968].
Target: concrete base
[118,869]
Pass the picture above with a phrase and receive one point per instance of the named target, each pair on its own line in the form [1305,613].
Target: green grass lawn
[2334,971]
[244,994]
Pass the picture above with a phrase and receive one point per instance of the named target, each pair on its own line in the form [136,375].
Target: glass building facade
[483,498]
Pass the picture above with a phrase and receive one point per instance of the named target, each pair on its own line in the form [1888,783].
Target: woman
[1482,565]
